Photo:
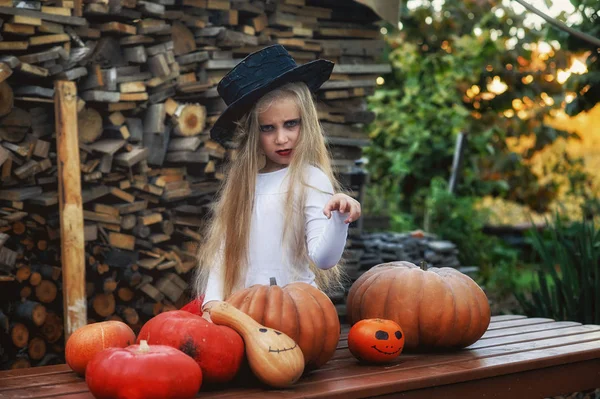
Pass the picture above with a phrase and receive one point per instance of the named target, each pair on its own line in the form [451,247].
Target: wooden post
[461,141]
[71,208]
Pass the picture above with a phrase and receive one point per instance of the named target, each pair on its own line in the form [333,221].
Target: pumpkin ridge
[361,309]
[421,274]
[435,309]
[467,328]
[272,314]
[298,317]
[355,288]
[477,330]
[451,291]
[327,348]
[448,277]
[477,319]
[320,341]
[296,325]
[306,328]
[387,294]
[257,304]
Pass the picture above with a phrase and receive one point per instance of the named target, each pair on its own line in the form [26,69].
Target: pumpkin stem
[144,347]
[272,281]
[423,265]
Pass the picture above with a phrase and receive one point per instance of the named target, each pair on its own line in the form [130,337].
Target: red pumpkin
[299,310]
[219,350]
[143,372]
[194,306]
[376,340]
[437,307]
[88,340]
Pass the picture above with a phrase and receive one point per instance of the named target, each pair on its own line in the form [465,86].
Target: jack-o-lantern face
[265,330]
[376,340]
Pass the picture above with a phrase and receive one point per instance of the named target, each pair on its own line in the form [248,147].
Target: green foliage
[567,285]
[457,219]
[438,88]
[586,86]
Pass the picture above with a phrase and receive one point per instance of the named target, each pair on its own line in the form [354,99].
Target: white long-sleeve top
[268,256]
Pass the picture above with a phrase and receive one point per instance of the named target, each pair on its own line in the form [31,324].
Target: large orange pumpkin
[299,310]
[436,307]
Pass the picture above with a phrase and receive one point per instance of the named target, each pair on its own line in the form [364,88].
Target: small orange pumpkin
[376,340]
[90,339]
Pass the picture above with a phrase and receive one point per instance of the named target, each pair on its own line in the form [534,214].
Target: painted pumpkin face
[376,340]
[270,331]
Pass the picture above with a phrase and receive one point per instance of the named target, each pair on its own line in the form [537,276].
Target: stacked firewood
[146,74]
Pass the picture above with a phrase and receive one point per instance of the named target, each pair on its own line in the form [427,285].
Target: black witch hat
[255,76]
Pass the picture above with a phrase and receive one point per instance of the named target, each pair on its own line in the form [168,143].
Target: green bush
[458,219]
[567,283]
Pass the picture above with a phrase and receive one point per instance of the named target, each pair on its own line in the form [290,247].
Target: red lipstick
[284,153]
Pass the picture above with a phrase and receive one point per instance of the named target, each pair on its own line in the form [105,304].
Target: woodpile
[146,75]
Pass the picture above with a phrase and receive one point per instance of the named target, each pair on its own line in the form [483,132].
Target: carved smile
[282,350]
[385,353]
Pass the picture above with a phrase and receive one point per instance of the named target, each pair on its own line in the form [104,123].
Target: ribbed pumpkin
[436,307]
[299,310]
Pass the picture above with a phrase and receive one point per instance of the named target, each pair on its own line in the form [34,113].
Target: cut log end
[191,120]
[19,335]
[104,304]
[46,291]
[36,348]
[89,123]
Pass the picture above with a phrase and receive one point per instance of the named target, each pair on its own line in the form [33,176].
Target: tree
[473,67]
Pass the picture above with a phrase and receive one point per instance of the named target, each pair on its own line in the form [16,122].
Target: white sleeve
[214,285]
[325,238]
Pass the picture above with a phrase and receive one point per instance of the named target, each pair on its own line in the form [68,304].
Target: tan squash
[274,357]
[299,310]
[437,308]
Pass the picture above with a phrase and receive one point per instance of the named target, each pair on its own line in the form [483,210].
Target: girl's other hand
[344,204]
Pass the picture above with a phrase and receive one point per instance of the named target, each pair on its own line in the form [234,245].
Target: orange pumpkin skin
[299,310]
[90,339]
[437,308]
[376,340]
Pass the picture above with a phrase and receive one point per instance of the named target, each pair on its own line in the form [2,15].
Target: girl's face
[279,127]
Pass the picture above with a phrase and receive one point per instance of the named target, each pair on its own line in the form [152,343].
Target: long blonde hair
[227,236]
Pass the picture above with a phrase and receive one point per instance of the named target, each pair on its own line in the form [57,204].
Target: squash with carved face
[274,357]
[376,340]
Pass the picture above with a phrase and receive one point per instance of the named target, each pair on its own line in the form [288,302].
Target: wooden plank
[400,376]
[528,329]
[71,208]
[511,339]
[61,19]
[518,323]
[507,317]
[547,382]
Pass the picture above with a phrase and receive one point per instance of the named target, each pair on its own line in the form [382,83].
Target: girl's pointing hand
[344,204]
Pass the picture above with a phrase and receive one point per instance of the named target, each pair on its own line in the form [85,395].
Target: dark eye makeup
[288,124]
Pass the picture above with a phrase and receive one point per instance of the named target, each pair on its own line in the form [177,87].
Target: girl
[277,214]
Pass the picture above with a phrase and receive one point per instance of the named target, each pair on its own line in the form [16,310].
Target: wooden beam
[70,205]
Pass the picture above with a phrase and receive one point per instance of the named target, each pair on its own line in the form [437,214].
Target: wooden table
[518,357]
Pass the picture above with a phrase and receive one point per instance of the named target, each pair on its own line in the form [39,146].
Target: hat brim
[313,73]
